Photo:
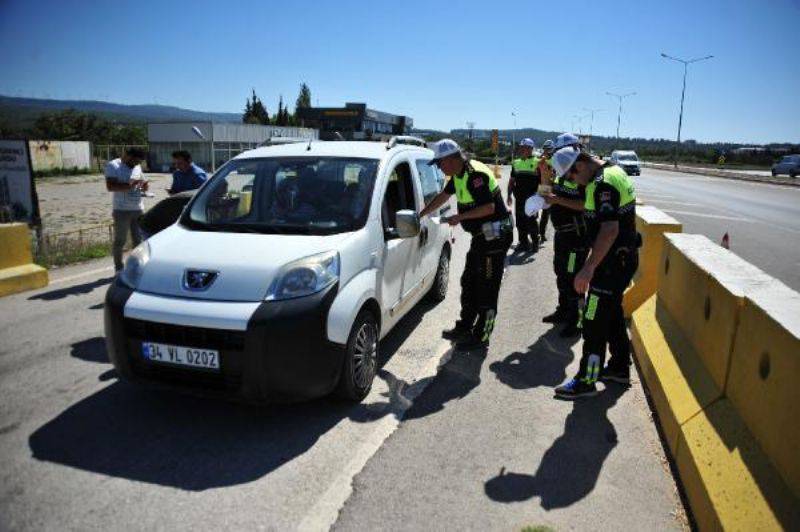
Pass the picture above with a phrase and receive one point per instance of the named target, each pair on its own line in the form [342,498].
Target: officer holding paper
[610,210]
[483,214]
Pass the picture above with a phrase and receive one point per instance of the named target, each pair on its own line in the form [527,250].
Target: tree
[304,98]
[282,118]
[255,112]
[75,125]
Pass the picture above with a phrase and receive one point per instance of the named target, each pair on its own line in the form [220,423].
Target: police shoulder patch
[477,181]
[605,196]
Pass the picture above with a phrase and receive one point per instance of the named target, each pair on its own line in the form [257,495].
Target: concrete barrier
[17,271]
[700,342]
[765,369]
[651,223]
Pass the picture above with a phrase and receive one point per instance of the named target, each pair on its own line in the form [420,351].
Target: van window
[429,179]
[399,196]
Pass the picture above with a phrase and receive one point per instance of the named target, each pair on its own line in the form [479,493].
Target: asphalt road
[483,446]
[762,220]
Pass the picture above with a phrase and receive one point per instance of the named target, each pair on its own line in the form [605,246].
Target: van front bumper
[281,352]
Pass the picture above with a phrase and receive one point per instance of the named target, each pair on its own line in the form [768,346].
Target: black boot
[458,333]
[556,317]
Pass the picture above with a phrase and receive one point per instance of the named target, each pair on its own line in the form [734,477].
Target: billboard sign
[18,201]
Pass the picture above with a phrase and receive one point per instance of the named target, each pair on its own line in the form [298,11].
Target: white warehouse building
[211,143]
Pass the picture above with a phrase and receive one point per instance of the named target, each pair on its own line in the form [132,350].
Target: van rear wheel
[361,359]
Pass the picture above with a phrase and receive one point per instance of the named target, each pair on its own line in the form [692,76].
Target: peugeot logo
[198,280]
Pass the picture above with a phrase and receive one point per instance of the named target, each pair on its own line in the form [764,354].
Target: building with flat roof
[211,143]
[354,121]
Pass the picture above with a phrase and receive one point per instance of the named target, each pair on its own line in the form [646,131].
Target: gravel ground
[74,202]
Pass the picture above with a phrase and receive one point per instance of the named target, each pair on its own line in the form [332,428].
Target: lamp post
[686,63]
[620,97]
[591,119]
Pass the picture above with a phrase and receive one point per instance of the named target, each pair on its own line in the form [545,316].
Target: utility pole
[620,97]
[686,63]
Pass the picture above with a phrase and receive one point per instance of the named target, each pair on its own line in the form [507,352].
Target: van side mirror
[407,222]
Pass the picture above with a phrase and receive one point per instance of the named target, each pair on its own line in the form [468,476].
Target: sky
[442,63]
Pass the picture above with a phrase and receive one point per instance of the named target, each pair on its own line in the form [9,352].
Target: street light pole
[513,135]
[591,120]
[686,63]
[620,97]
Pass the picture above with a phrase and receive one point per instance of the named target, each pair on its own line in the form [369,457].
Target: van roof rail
[406,139]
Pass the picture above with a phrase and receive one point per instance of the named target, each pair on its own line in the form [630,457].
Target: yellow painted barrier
[651,223]
[763,383]
[718,347]
[702,286]
[17,271]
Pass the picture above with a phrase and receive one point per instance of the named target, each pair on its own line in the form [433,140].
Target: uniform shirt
[525,173]
[478,180]
[124,200]
[612,198]
[188,180]
[565,188]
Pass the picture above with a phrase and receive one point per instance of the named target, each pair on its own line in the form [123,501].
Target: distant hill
[22,112]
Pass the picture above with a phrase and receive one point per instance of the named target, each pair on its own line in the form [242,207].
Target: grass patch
[538,528]
[61,172]
[72,255]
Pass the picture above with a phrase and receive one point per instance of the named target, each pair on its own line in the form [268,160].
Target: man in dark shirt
[482,213]
[187,175]
[610,210]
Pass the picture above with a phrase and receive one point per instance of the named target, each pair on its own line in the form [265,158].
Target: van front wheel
[361,359]
[440,282]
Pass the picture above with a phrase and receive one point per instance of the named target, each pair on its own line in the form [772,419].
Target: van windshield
[627,157]
[301,195]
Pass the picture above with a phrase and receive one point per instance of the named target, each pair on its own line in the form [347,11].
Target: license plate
[181,356]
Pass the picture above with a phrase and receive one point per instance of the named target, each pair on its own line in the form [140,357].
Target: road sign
[495,143]
[18,199]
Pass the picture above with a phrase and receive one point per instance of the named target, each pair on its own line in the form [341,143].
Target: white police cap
[563,160]
[444,148]
[527,142]
[566,139]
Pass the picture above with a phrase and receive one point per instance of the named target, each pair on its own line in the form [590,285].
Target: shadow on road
[544,364]
[74,290]
[570,468]
[91,350]
[193,443]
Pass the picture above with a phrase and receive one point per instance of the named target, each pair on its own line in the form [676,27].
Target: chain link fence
[68,247]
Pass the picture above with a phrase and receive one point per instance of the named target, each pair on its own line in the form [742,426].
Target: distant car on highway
[283,272]
[789,165]
[627,159]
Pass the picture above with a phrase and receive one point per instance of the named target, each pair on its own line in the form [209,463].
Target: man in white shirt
[125,181]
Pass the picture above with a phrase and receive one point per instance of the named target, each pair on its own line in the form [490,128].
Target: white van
[283,272]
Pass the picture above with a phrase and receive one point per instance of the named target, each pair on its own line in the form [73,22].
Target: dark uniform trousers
[603,318]
[569,254]
[526,225]
[480,283]
[543,223]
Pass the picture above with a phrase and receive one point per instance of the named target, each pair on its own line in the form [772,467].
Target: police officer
[569,247]
[482,213]
[610,210]
[522,185]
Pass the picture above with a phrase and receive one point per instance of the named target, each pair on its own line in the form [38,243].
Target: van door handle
[423,236]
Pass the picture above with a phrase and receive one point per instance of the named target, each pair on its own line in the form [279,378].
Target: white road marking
[706,215]
[324,513]
[80,275]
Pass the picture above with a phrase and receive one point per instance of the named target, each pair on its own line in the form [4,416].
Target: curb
[724,174]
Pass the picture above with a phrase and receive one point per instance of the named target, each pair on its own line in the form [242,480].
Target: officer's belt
[573,227]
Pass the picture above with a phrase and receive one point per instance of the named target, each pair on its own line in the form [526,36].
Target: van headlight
[131,274]
[305,276]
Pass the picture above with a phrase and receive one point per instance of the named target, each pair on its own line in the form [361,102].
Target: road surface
[478,443]
[762,220]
